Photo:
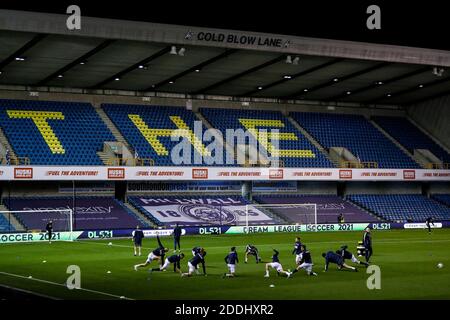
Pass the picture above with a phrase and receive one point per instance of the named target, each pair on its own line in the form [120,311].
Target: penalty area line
[63,285]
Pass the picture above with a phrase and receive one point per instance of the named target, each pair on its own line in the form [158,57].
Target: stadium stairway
[139,215]
[428,134]
[208,125]
[387,135]
[4,141]
[369,212]
[312,140]
[12,219]
[110,125]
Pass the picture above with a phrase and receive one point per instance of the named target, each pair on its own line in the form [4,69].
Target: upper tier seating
[148,130]
[295,149]
[90,213]
[328,208]
[408,135]
[54,133]
[402,207]
[358,135]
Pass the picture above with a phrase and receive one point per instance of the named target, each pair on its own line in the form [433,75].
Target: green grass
[408,260]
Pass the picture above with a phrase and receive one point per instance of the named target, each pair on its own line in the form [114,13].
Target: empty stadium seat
[402,207]
[5,226]
[297,151]
[148,130]
[358,135]
[411,137]
[54,133]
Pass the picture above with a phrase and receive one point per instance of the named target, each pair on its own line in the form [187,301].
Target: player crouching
[305,262]
[275,264]
[175,259]
[194,262]
[231,259]
[251,250]
[331,257]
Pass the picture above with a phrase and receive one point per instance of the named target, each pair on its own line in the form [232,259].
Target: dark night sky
[411,23]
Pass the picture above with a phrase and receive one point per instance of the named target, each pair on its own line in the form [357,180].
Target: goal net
[290,213]
[37,220]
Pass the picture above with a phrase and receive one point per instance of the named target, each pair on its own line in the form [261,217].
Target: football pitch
[407,259]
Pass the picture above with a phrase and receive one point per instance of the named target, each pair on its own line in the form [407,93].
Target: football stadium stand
[442,198]
[199,210]
[54,133]
[358,135]
[402,207]
[5,225]
[408,135]
[148,130]
[295,150]
[328,208]
[90,213]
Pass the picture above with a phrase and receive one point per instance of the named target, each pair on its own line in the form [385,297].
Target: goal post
[293,213]
[36,221]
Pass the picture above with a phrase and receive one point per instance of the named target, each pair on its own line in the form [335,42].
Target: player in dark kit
[199,258]
[252,251]
[429,222]
[305,262]
[347,255]
[176,238]
[275,264]
[174,259]
[138,235]
[367,243]
[297,250]
[331,257]
[231,259]
[49,228]
[157,254]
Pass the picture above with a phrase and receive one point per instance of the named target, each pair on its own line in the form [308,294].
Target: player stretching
[276,265]
[157,254]
[175,259]
[138,235]
[49,228]
[331,257]
[305,262]
[231,259]
[367,243]
[252,251]
[429,222]
[194,262]
[297,250]
[347,255]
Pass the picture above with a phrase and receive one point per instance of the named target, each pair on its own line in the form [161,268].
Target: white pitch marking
[62,285]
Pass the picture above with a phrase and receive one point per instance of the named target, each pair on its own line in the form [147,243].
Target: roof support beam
[18,53]
[239,75]
[409,90]
[200,66]
[76,62]
[297,75]
[387,81]
[341,79]
[133,67]
[430,97]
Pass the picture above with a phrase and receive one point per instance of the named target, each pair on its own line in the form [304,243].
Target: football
[440,265]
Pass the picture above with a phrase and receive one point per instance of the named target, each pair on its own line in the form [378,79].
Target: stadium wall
[383,188]
[436,122]
[170,99]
